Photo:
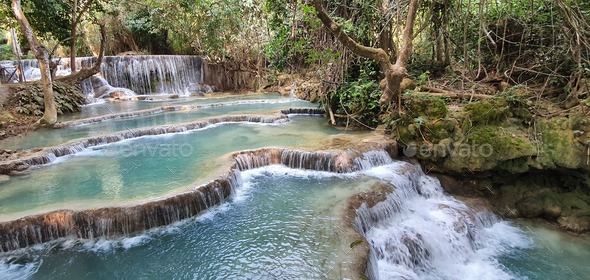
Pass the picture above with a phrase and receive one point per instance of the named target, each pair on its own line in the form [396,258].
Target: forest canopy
[544,42]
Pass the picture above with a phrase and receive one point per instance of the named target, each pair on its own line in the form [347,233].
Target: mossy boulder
[427,106]
[491,111]
[560,196]
[559,146]
[487,147]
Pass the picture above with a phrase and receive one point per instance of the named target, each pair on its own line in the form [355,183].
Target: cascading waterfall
[125,75]
[415,232]
[155,74]
[418,232]
[116,221]
[53,153]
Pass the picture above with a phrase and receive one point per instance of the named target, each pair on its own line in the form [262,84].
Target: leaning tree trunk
[394,73]
[50,114]
[73,37]
[85,73]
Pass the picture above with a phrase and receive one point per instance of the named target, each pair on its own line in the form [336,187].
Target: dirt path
[4,94]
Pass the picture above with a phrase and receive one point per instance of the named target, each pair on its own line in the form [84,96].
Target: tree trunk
[50,114]
[87,72]
[397,72]
[394,73]
[73,38]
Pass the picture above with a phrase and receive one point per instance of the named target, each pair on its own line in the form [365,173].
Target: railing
[6,75]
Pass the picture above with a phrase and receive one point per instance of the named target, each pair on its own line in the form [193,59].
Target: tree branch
[87,72]
[407,37]
[377,54]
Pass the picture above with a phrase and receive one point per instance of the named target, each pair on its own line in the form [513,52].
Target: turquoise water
[101,109]
[51,137]
[146,167]
[283,224]
[554,255]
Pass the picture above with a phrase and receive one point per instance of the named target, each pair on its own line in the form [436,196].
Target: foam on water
[16,268]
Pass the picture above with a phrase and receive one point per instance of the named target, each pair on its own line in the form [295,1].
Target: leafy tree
[394,72]
[50,114]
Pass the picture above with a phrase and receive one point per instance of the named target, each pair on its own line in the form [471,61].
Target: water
[143,74]
[153,74]
[101,109]
[554,255]
[145,167]
[285,224]
[282,224]
[50,137]
[421,233]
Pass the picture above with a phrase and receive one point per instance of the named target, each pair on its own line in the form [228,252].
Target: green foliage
[292,46]
[28,100]
[5,49]
[49,17]
[358,99]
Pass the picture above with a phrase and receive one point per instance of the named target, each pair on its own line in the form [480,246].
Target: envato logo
[440,150]
[156,150]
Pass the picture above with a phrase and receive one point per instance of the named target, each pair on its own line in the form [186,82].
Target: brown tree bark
[394,73]
[73,37]
[87,72]
[76,18]
[41,54]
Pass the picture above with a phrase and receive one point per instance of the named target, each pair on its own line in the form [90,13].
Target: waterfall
[112,222]
[97,87]
[49,155]
[304,111]
[418,232]
[181,75]
[155,74]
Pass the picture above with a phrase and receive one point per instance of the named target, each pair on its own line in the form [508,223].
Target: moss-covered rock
[491,111]
[487,147]
[426,106]
[559,147]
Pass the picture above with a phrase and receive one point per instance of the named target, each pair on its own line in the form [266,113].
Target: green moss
[421,105]
[403,134]
[523,113]
[505,145]
[438,130]
[490,111]
[559,146]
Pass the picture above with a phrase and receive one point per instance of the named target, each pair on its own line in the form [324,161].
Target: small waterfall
[123,76]
[418,232]
[304,111]
[155,74]
[49,155]
[372,159]
[116,221]
[121,221]
[97,87]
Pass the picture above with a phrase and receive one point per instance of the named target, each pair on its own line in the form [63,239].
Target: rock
[4,178]
[576,224]
[310,90]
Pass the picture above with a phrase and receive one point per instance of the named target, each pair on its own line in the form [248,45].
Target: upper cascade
[155,74]
[180,75]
